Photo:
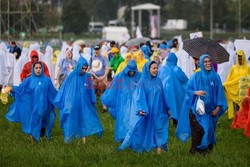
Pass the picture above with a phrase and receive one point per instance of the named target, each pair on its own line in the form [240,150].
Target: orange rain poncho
[123,64]
[237,83]
[242,118]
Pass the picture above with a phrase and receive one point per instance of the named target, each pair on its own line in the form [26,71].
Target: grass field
[232,149]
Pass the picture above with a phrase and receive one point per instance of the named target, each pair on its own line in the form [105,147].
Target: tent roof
[146,6]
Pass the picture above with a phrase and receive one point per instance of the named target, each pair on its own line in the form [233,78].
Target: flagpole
[211,20]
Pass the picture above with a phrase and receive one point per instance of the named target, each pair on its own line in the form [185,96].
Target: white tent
[149,7]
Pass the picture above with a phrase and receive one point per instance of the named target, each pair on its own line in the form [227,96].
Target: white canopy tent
[147,6]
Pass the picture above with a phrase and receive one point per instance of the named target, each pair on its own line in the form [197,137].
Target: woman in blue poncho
[118,98]
[33,104]
[206,84]
[174,83]
[76,102]
[149,119]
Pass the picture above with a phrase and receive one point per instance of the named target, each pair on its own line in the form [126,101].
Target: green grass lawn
[232,149]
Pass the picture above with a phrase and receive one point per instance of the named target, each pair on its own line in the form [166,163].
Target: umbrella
[198,46]
[137,41]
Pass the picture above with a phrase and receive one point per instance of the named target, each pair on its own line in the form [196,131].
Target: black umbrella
[137,41]
[198,46]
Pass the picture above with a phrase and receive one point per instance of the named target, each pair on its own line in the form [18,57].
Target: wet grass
[232,149]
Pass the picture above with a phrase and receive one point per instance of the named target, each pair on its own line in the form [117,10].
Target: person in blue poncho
[174,83]
[146,51]
[207,85]
[149,119]
[76,101]
[118,98]
[33,106]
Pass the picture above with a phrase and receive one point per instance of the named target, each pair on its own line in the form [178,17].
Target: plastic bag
[200,107]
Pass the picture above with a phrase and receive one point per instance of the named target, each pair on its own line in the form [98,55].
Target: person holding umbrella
[204,85]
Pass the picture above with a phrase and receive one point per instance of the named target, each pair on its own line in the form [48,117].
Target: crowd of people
[141,86]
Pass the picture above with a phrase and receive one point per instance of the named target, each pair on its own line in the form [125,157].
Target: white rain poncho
[23,59]
[185,62]
[123,51]
[48,60]
[224,68]
[87,54]
[76,52]
[104,50]
[7,61]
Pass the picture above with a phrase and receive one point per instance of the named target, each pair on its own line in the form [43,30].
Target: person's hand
[142,113]
[28,74]
[200,93]
[56,82]
[215,111]
[7,89]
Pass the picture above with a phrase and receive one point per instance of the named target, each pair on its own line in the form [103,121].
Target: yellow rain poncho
[123,64]
[26,44]
[237,83]
[140,60]
[55,56]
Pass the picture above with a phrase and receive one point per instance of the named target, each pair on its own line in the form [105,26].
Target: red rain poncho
[27,67]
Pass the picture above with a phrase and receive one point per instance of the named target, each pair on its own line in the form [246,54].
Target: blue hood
[145,70]
[163,46]
[33,72]
[169,44]
[78,68]
[131,66]
[146,51]
[172,59]
[201,63]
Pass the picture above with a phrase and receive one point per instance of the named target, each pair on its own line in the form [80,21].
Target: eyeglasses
[84,68]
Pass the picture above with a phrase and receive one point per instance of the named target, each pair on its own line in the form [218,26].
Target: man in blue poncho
[149,119]
[33,104]
[174,83]
[118,98]
[207,85]
[76,102]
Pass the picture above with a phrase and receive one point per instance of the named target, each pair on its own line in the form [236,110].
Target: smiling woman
[206,85]
[207,63]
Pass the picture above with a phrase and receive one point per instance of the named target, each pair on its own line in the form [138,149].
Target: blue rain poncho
[174,83]
[118,98]
[146,51]
[210,83]
[33,106]
[76,102]
[150,131]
